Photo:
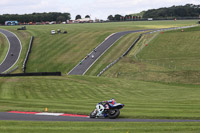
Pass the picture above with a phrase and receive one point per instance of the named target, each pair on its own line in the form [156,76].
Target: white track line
[50,114]
[8,48]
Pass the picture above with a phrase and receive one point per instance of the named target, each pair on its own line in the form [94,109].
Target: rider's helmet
[113,101]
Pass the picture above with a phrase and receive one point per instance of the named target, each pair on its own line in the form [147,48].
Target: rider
[101,108]
[111,102]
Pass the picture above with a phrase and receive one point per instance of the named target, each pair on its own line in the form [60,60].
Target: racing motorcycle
[106,110]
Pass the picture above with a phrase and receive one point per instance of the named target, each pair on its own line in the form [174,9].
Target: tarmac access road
[84,65]
[13,53]
[31,117]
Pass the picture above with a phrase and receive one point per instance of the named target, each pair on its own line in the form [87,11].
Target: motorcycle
[106,109]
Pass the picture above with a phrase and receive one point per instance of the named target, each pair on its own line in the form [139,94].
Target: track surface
[13,52]
[32,117]
[82,68]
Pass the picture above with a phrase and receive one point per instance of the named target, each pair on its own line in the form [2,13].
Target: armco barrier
[114,62]
[32,74]
[28,53]
[129,49]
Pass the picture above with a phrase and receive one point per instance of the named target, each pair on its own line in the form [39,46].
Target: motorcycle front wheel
[114,113]
[93,114]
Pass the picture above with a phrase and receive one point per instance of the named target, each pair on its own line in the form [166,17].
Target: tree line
[119,17]
[35,17]
[188,10]
[79,17]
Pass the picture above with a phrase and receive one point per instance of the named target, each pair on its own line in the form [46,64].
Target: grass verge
[98,127]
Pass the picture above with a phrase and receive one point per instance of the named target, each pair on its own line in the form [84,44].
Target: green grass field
[79,94]
[148,88]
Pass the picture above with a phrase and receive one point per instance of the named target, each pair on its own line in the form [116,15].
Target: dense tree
[87,16]
[128,17]
[61,19]
[110,17]
[78,17]
[188,10]
[117,17]
[35,17]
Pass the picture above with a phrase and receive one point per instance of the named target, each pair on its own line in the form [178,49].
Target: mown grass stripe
[81,94]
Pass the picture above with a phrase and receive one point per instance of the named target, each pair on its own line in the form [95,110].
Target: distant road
[81,69]
[13,53]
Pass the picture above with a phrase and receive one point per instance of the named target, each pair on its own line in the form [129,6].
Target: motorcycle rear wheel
[114,113]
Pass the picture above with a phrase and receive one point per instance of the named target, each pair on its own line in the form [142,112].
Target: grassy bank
[169,57]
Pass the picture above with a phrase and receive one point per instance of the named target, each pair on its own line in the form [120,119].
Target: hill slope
[62,52]
[170,57]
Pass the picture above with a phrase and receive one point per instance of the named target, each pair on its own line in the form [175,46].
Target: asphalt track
[32,117]
[13,53]
[86,63]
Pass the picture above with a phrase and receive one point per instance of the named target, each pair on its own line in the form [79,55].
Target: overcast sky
[100,9]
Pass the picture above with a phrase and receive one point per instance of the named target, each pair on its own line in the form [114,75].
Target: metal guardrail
[32,74]
[114,62]
[28,53]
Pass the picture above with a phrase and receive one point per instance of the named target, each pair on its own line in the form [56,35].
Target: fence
[32,74]
[28,53]
[114,62]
